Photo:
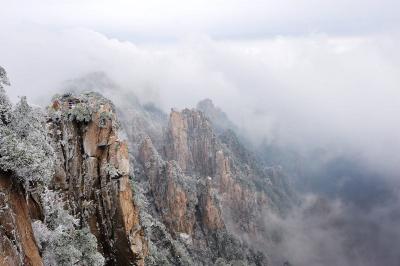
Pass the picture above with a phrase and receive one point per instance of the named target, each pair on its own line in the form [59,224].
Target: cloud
[301,74]
[160,20]
[340,93]
[333,233]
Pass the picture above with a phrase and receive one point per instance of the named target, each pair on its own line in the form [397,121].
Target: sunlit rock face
[17,242]
[92,171]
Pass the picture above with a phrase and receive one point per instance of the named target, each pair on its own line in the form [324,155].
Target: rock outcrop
[204,191]
[17,242]
[217,117]
[182,190]
[92,172]
[191,142]
[171,190]
[191,210]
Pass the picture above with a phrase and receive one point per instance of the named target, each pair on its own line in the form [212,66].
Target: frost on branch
[81,108]
[59,237]
[5,105]
[24,148]
[111,171]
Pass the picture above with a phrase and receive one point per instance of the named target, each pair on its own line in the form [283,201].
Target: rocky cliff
[191,142]
[181,189]
[92,172]
[92,178]
[17,242]
[208,190]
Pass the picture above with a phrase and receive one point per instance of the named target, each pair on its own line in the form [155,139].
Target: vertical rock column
[191,142]
[93,174]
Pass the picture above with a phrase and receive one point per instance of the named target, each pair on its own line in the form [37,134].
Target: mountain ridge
[178,190]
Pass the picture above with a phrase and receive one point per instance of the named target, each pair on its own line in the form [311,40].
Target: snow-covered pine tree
[26,152]
[5,104]
[24,147]
[59,239]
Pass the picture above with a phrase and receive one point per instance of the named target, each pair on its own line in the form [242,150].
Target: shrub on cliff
[81,108]
[60,239]
[5,105]
[24,147]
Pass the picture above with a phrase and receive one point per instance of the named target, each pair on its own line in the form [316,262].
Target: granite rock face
[190,208]
[181,189]
[17,242]
[206,188]
[92,172]
[191,142]
[217,117]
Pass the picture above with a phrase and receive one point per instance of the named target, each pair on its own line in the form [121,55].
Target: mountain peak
[218,118]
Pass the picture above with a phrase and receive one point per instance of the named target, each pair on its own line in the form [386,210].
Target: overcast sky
[306,73]
[166,20]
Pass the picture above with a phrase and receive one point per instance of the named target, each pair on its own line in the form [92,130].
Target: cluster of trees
[24,148]
[59,237]
[26,152]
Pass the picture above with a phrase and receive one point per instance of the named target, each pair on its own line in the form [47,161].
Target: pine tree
[26,152]
[5,104]
[24,147]
[60,239]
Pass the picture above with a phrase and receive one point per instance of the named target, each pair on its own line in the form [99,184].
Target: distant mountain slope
[147,188]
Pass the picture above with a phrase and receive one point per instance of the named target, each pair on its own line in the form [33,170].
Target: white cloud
[165,20]
[331,232]
[338,87]
[305,73]
[315,89]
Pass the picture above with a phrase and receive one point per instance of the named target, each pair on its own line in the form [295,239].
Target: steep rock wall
[194,206]
[17,242]
[92,172]
[191,142]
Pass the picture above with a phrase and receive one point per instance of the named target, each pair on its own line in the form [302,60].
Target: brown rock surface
[191,142]
[211,216]
[173,199]
[17,242]
[93,174]
[201,189]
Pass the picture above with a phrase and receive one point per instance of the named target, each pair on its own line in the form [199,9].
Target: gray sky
[305,73]
[308,74]
[160,20]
